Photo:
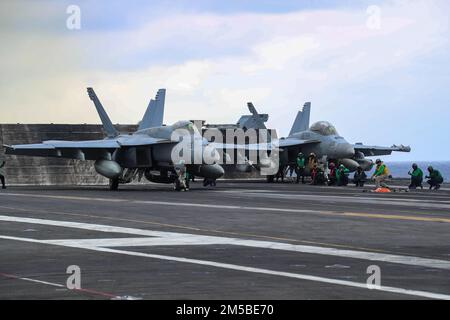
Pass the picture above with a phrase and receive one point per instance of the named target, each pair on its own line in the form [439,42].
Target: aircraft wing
[89,144]
[282,143]
[136,140]
[81,150]
[369,151]
[289,142]
[38,150]
[251,146]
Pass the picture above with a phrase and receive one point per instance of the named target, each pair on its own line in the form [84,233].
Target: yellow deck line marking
[237,207]
[395,217]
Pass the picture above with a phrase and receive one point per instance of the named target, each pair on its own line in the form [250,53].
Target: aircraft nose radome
[345,150]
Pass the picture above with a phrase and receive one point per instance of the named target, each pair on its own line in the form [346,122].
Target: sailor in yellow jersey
[381,174]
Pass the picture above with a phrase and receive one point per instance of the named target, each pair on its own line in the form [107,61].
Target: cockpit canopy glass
[324,128]
[186,125]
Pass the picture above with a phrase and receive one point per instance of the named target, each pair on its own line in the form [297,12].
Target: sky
[378,70]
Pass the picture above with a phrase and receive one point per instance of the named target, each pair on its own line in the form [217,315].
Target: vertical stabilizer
[154,114]
[107,124]
[254,121]
[301,122]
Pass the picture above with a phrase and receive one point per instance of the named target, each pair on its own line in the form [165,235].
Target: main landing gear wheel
[113,184]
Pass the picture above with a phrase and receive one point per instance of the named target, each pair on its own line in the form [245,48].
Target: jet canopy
[324,128]
[186,125]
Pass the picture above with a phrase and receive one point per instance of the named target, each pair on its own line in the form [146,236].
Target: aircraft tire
[113,184]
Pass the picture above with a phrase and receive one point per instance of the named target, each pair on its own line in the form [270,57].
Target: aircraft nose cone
[345,150]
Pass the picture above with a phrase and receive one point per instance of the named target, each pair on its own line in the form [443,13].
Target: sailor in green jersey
[416,177]
[342,175]
[435,178]
[301,164]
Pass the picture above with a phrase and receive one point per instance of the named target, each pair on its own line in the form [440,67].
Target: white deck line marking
[395,290]
[43,282]
[135,242]
[185,238]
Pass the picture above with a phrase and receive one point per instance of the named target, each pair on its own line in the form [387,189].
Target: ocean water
[399,169]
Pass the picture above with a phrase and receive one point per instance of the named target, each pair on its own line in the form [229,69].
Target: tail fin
[301,122]
[154,114]
[255,121]
[252,108]
[107,124]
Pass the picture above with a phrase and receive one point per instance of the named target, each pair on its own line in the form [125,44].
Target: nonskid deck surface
[240,240]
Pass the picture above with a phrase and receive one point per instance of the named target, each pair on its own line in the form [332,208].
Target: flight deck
[239,240]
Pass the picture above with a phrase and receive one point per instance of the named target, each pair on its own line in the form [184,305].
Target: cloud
[212,63]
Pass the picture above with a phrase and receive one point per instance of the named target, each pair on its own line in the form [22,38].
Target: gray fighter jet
[322,139]
[124,157]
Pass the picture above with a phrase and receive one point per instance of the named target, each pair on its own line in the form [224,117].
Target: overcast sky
[379,81]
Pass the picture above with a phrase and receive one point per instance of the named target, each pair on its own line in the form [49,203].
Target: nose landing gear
[114,184]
